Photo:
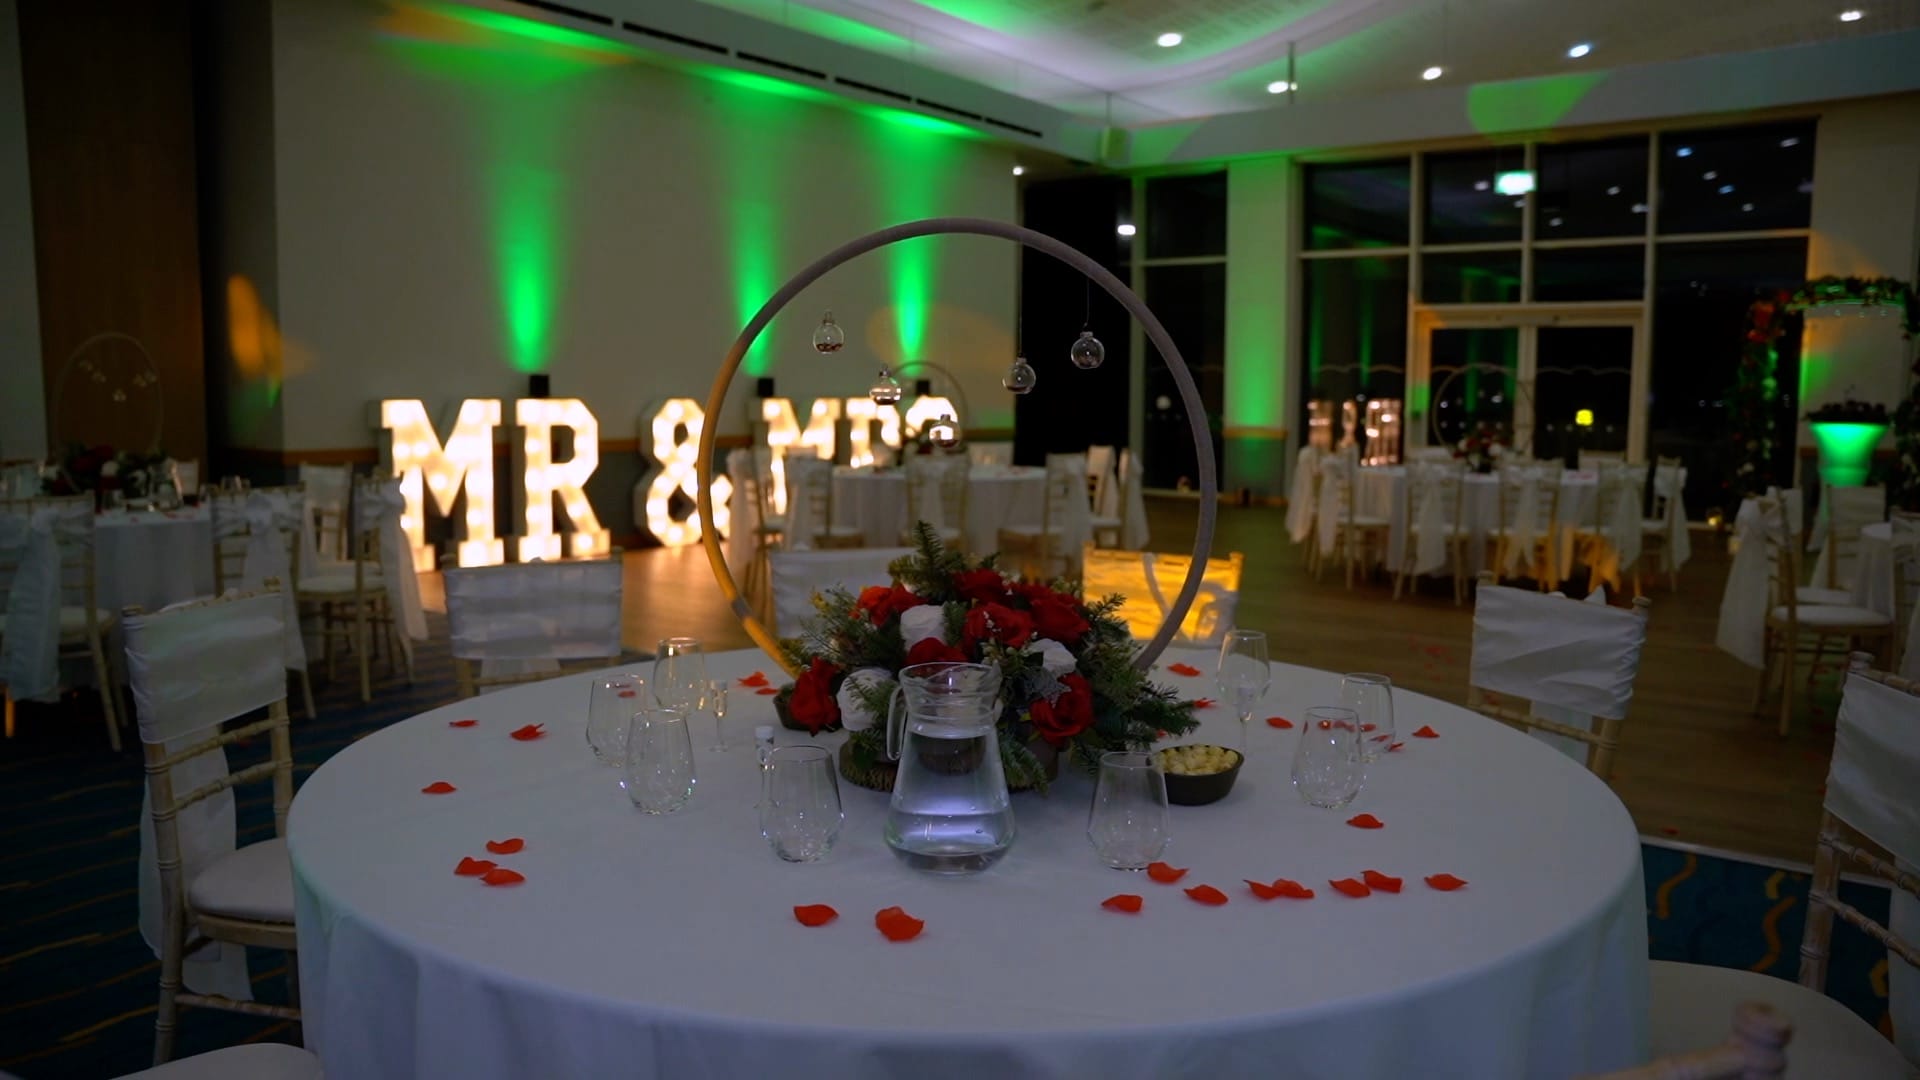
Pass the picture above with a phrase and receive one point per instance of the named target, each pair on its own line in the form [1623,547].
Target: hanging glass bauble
[1087,352]
[828,337]
[1020,377]
[944,432]
[885,389]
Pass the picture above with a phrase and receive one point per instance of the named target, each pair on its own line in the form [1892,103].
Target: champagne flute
[716,702]
[1244,674]
[679,673]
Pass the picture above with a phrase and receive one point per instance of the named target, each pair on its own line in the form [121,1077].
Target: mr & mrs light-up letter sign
[426,466]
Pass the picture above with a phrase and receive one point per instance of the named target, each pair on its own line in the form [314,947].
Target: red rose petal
[1351,887]
[1368,727]
[1262,890]
[1280,722]
[1206,894]
[767,691]
[528,733]
[461,723]
[897,925]
[1426,732]
[1396,746]
[438,787]
[628,693]
[1203,703]
[474,867]
[814,914]
[1366,821]
[506,847]
[1292,890]
[1126,902]
[758,678]
[1164,874]
[500,875]
[1444,882]
[1183,669]
[1377,880]
[1669,830]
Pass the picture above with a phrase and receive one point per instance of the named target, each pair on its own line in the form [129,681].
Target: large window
[1181,271]
[1596,282]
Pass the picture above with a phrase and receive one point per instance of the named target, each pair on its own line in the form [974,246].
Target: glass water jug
[950,812]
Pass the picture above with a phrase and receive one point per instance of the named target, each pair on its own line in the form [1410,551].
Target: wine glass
[1128,822]
[1370,696]
[800,811]
[715,700]
[659,767]
[611,702]
[1327,770]
[1244,674]
[679,673]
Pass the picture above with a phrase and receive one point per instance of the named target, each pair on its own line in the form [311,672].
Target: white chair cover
[1133,519]
[743,510]
[990,453]
[193,667]
[30,647]
[1306,465]
[1668,483]
[1431,490]
[1100,473]
[798,575]
[805,472]
[263,518]
[1748,595]
[19,480]
[1543,649]
[1846,510]
[1871,786]
[526,617]
[1073,519]
[378,505]
[1526,523]
[1337,476]
[186,474]
[327,488]
[929,474]
[1619,509]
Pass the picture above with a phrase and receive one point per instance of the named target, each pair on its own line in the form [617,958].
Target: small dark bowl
[1199,790]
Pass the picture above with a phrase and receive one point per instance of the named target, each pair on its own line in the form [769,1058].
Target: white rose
[1054,656]
[111,468]
[853,714]
[920,623]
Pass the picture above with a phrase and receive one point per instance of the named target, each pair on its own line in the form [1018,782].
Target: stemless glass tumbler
[800,811]
[611,703]
[659,768]
[1371,698]
[679,673]
[1327,769]
[1128,822]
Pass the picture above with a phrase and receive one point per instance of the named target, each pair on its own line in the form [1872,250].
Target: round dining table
[875,501]
[667,946]
[152,558]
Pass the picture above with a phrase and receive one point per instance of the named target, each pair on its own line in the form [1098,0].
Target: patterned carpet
[77,984]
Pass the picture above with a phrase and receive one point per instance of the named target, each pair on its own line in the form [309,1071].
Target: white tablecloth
[1382,492]
[666,946]
[152,559]
[875,501]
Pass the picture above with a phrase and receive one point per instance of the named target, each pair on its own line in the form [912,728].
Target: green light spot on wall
[526,260]
[529,29]
[1527,104]
[839,28]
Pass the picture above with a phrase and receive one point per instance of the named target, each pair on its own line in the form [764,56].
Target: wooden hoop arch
[1099,275]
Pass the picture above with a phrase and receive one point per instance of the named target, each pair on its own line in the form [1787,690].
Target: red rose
[996,622]
[932,651]
[882,603]
[981,586]
[1058,617]
[813,705]
[1059,720]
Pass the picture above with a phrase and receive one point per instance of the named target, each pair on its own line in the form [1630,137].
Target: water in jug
[950,812]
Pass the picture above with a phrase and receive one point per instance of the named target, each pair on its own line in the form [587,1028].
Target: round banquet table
[152,559]
[666,946]
[875,501]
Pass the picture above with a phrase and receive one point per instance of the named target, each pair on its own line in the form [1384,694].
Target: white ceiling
[1098,58]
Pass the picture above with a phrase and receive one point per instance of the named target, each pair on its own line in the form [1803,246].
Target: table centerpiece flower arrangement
[1482,448]
[99,469]
[1068,682]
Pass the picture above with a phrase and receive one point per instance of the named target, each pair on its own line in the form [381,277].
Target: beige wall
[1866,223]
[434,183]
[23,415]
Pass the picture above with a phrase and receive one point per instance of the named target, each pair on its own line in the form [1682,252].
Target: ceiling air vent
[768,61]
[570,12]
[872,89]
[677,39]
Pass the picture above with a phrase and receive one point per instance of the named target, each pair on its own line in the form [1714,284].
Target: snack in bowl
[1199,774]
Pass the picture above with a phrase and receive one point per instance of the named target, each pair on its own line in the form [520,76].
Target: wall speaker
[537,386]
[763,387]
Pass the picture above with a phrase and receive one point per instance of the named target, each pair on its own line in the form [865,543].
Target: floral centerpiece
[83,469]
[1482,448]
[1068,682]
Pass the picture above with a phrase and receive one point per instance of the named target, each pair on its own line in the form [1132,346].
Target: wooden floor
[1694,765]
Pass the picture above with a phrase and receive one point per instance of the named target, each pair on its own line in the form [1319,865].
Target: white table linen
[152,559]
[1747,597]
[1381,492]
[666,946]
[875,502]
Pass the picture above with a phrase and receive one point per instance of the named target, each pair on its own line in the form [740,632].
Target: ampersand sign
[675,459]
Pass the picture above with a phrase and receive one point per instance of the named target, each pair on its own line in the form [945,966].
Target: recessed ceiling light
[1726,189]
[1578,51]
[1280,86]
[1791,140]
[1639,208]
[1614,190]
[1685,151]
[1169,39]
[1126,230]
[1710,174]
[1519,204]
[1746,208]
[1481,185]
[1850,15]
[1554,222]
[1019,170]
[1432,73]
[1517,182]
